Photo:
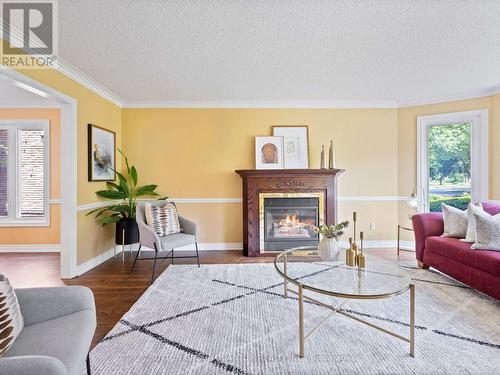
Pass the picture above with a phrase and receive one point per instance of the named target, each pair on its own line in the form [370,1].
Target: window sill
[24,223]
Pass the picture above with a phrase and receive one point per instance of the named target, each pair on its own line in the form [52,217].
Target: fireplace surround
[281,206]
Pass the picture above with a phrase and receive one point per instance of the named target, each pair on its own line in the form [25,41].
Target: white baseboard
[95,261]
[212,246]
[49,248]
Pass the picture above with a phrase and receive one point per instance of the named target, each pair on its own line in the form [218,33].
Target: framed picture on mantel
[295,145]
[269,153]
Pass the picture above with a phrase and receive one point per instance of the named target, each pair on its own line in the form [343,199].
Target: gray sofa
[59,324]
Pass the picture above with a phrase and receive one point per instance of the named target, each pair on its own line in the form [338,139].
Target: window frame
[13,179]
[478,120]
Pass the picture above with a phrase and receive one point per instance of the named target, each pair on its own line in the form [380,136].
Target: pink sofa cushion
[485,260]
[492,207]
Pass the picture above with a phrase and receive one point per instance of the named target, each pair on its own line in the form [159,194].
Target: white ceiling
[277,51]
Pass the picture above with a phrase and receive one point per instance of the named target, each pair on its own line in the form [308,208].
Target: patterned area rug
[233,319]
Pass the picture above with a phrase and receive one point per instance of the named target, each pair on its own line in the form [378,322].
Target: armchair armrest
[188,226]
[148,236]
[426,225]
[32,364]
[42,304]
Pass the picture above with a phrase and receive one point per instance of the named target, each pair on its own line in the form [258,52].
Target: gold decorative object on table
[361,255]
[350,256]
[323,157]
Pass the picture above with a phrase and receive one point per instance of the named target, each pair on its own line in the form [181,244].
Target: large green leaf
[126,160]
[123,183]
[111,194]
[110,219]
[147,190]
[133,174]
[113,185]
[99,209]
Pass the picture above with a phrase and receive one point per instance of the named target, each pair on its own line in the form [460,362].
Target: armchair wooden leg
[154,265]
[136,256]
[422,265]
[197,253]
[88,364]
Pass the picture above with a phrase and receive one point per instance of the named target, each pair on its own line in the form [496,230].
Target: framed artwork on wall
[295,145]
[269,153]
[101,154]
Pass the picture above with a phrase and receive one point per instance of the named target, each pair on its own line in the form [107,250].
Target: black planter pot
[131,232]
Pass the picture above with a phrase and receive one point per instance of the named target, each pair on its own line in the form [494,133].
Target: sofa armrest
[426,225]
[188,226]
[32,364]
[42,304]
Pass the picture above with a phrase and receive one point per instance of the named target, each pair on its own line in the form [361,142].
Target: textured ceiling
[248,50]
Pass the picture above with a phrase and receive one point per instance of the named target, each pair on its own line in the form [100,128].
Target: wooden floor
[115,287]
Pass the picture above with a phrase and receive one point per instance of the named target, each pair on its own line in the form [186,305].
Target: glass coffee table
[305,268]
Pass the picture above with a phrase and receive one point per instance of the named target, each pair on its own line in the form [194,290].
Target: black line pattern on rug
[316,304]
[475,341]
[469,339]
[198,354]
[186,313]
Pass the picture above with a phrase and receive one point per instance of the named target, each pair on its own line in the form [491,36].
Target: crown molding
[475,94]
[262,104]
[77,75]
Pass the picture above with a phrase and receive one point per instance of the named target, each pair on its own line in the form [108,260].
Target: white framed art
[295,145]
[269,153]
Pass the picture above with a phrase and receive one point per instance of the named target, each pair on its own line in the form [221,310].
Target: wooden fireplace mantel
[256,181]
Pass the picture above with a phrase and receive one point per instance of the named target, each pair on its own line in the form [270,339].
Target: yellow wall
[92,108]
[43,234]
[192,153]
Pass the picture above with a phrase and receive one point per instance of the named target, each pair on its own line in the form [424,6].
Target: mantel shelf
[289,172]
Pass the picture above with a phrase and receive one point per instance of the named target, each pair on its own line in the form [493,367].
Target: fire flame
[292,219]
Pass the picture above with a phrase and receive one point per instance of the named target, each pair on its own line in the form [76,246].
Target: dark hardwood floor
[115,287]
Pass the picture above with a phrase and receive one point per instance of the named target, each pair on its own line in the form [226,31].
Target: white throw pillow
[11,320]
[487,232]
[455,222]
[471,221]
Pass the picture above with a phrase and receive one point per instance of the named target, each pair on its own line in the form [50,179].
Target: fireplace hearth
[280,207]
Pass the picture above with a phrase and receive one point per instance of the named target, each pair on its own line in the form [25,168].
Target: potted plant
[122,210]
[328,247]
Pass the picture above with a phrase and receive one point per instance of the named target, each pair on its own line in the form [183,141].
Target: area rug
[233,319]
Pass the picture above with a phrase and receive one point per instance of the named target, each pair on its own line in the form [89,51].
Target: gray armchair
[149,238]
[59,324]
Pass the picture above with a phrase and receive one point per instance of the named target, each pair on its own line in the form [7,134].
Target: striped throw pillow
[11,320]
[163,219]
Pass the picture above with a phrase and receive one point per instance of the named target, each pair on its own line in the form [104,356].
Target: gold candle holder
[361,256]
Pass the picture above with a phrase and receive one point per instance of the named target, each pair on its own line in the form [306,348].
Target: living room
[250,160]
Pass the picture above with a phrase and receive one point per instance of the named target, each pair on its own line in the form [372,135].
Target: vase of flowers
[328,247]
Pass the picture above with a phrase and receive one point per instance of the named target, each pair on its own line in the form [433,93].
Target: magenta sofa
[479,269]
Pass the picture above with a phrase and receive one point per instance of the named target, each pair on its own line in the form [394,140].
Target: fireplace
[288,219]
[281,206]
[289,222]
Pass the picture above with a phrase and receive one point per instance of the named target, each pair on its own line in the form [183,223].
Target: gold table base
[338,310]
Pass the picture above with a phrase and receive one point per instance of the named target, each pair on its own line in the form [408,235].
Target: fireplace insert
[289,222]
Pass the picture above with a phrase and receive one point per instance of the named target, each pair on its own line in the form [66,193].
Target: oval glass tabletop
[306,266]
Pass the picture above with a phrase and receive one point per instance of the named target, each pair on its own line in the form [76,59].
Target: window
[453,159]
[24,172]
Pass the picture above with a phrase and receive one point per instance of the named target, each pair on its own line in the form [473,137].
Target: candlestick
[331,156]
[322,157]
